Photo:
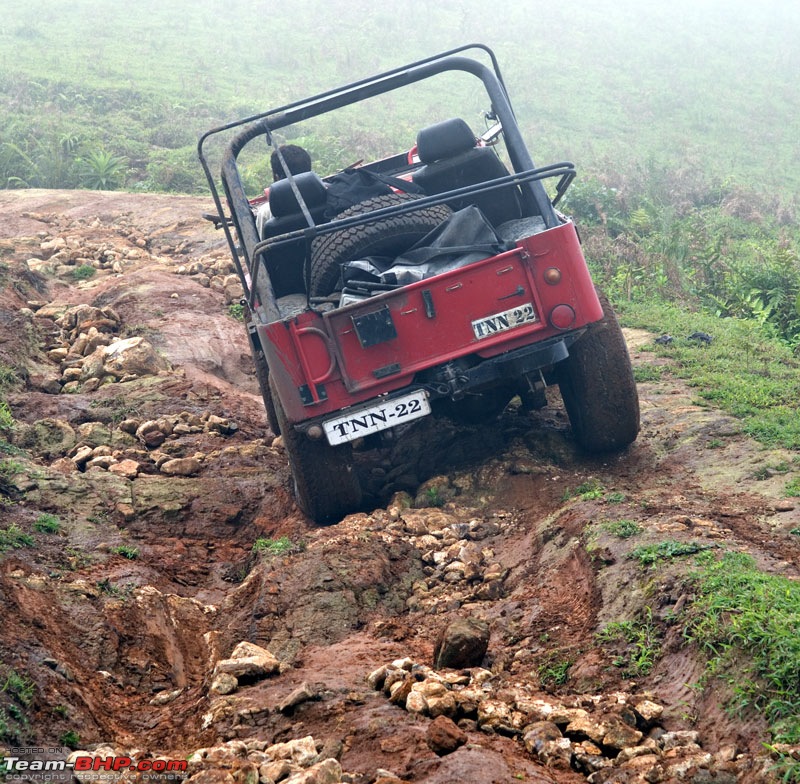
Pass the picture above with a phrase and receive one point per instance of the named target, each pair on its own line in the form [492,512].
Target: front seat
[453,161]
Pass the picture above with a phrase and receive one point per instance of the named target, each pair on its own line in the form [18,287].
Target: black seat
[453,161]
[285,263]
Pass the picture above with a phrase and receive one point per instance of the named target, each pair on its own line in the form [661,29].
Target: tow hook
[450,382]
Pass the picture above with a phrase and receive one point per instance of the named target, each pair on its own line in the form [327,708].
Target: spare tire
[383,237]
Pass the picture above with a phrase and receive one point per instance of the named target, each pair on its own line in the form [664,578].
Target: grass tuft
[281,546]
[623,529]
[640,641]
[127,551]
[47,523]
[14,537]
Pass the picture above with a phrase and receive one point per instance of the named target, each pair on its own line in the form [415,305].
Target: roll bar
[266,123]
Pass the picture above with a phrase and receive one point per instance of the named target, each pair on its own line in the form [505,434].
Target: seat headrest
[444,140]
[282,201]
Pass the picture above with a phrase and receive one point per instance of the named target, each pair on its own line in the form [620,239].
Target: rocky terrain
[164,599]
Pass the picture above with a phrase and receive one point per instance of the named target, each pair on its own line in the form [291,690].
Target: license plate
[372,419]
[507,319]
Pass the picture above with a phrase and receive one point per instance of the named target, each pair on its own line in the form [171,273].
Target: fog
[710,84]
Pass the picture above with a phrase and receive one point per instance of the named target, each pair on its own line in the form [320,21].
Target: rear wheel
[598,387]
[385,237]
[325,482]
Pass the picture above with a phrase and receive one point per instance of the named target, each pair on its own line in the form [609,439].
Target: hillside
[148,530]
[706,87]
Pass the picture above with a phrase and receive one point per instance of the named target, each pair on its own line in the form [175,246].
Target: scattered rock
[125,468]
[302,694]
[248,663]
[224,683]
[539,735]
[328,771]
[182,466]
[443,736]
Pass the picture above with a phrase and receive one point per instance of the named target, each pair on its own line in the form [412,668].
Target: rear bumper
[453,381]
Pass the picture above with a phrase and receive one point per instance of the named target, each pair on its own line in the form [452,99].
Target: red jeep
[453,288]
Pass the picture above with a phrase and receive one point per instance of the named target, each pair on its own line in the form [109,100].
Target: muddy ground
[120,615]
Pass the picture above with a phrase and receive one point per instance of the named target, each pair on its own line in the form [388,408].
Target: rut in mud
[177,538]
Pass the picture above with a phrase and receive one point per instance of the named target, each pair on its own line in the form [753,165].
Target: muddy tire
[269,407]
[325,484]
[385,237]
[262,374]
[598,388]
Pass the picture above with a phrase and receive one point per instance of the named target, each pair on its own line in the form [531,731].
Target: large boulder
[49,438]
[462,643]
[132,357]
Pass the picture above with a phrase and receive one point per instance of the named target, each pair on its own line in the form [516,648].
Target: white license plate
[507,319]
[372,419]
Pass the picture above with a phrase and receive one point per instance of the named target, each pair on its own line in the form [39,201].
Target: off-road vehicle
[454,286]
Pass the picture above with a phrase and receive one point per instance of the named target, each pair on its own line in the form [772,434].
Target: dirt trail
[121,614]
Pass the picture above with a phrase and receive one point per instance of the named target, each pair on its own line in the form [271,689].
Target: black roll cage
[526,175]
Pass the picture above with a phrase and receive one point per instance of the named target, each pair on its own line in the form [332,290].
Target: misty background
[708,84]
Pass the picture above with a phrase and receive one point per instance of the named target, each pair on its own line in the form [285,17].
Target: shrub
[83,272]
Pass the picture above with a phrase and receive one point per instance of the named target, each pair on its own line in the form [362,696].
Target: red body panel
[433,324]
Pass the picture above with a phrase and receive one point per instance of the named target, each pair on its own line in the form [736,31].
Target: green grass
[635,92]
[644,373]
[17,693]
[792,489]
[47,523]
[434,497]
[10,468]
[13,537]
[127,551]
[554,670]
[744,372]
[623,529]
[71,739]
[84,272]
[107,588]
[748,624]
[236,311]
[78,557]
[281,546]
[6,419]
[651,554]
[639,641]
[19,687]
[590,490]
[787,768]
[9,378]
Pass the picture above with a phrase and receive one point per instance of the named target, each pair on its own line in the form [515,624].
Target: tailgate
[481,307]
